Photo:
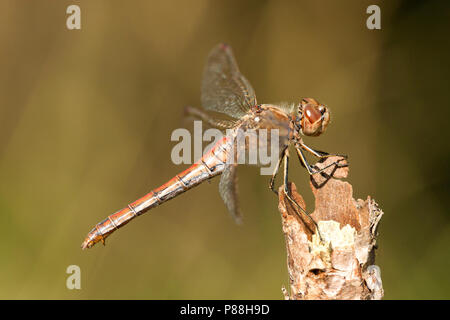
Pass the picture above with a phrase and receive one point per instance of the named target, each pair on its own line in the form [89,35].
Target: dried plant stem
[341,265]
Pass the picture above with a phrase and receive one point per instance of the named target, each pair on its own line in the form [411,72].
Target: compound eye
[312,113]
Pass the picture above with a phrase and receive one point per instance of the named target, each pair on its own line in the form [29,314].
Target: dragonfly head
[313,117]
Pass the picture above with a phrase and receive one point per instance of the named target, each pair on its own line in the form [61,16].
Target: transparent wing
[224,88]
[221,124]
[228,191]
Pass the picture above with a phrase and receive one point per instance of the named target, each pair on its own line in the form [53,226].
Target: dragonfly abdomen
[210,165]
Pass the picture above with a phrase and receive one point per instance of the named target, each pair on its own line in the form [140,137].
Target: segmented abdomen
[210,165]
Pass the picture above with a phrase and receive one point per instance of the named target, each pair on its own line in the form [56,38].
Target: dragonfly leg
[217,123]
[275,172]
[308,167]
[288,195]
[320,154]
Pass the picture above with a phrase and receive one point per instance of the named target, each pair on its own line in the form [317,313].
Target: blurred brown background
[86,118]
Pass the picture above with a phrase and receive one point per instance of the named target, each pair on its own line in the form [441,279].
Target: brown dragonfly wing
[224,88]
[228,191]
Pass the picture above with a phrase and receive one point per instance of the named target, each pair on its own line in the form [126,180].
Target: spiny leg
[275,172]
[288,196]
[308,167]
[319,154]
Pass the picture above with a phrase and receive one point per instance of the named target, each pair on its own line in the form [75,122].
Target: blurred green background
[86,118]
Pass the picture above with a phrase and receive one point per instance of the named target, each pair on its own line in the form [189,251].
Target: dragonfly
[226,91]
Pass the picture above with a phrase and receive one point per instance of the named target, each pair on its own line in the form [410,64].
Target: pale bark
[342,264]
